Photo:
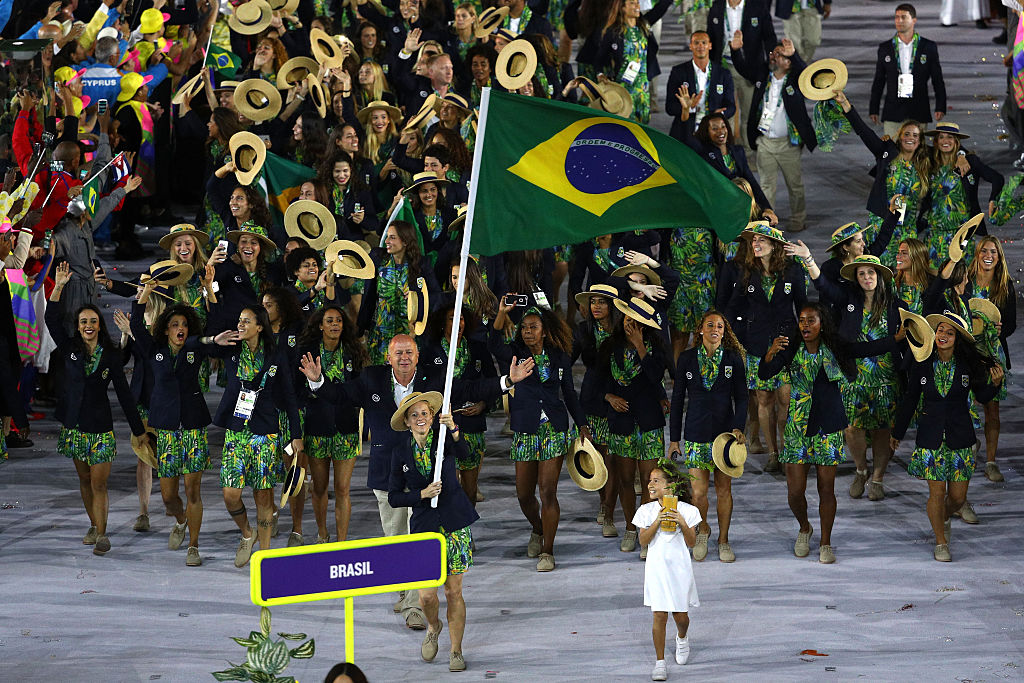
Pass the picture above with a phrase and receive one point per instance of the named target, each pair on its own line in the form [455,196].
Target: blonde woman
[913,274]
[373,84]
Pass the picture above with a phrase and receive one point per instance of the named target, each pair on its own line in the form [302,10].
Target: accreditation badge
[272,371]
[720,89]
[728,372]
[106,373]
[788,289]
[190,357]
[291,340]
[965,380]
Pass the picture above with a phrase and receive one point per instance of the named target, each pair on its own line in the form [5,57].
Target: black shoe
[15,440]
[1001,38]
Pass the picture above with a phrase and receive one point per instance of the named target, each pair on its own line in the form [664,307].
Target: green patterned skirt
[336,447]
[460,550]
[942,464]
[756,383]
[249,460]
[476,444]
[90,448]
[870,407]
[546,444]
[598,429]
[638,445]
[181,451]
[697,456]
[821,449]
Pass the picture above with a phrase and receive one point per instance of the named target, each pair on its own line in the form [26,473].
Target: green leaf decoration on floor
[265,658]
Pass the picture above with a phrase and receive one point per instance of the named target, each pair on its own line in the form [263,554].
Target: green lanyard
[913,51]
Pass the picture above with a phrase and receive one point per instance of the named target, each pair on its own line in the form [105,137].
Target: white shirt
[400,391]
[779,128]
[702,77]
[904,55]
[733,23]
[513,24]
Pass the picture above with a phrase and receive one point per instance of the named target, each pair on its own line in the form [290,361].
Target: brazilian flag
[551,173]
[91,195]
[224,61]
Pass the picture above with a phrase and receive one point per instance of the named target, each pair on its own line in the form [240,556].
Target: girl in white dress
[668,575]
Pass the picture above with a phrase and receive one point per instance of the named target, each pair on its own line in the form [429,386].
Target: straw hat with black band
[325,49]
[607,291]
[586,466]
[350,259]
[987,310]
[490,19]
[524,68]
[459,219]
[248,154]
[457,101]
[426,112]
[257,231]
[424,177]
[963,235]
[294,477]
[311,221]
[729,454]
[920,335]
[168,273]
[192,87]
[819,80]
[950,318]
[316,94]
[257,100]
[285,7]
[638,310]
[607,96]
[366,112]
[849,271]
[417,304]
[201,238]
[625,271]
[251,17]
[433,399]
[947,127]
[295,70]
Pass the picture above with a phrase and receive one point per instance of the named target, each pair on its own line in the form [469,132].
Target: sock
[660,662]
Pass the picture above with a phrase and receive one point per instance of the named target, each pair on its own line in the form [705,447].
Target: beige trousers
[774,155]
[744,96]
[395,522]
[804,29]
[892,128]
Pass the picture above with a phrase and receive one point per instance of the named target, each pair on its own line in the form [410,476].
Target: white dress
[668,575]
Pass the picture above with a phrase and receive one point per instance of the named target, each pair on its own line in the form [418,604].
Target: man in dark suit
[801,23]
[778,126]
[753,20]
[710,80]
[906,63]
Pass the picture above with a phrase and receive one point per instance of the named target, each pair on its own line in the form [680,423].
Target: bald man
[378,390]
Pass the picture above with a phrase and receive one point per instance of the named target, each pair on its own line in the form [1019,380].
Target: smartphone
[358,208]
[264,138]
[101,107]
[516,300]
[223,244]
[56,166]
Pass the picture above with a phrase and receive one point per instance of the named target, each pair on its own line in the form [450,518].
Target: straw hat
[192,87]
[586,466]
[638,310]
[248,152]
[424,177]
[607,291]
[460,219]
[426,112]
[294,478]
[818,80]
[316,94]
[963,235]
[295,70]
[920,335]
[652,277]
[490,19]
[394,112]
[433,399]
[849,271]
[728,454]
[168,273]
[256,99]
[286,7]
[950,318]
[606,96]
[843,233]
[764,229]
[947,127]
[257,231]
[130,84]
[524,68]
[311,221]
[457,101]
[180,229]
[350,259]
[417,304]
[251,18]
[985,308]
[142,446]
[325,49]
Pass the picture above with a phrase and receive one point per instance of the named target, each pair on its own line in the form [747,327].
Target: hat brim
[625,271]
[433,399]
[640,316]
[172,276]
[932,133]
[417,305]
[584,453]
[737,451]
[936,319]
[243,140]
[293,65]
[294,228]
[143,447]
[987,309]
[519,46]
[964,234]
[849,271]
[267,110]
[199,236]
[427,109]
[234,235]
[336,254]
[614,99]
[317,94]
[191,88]
[294,478]
[366,112]
[248,27]
[920,335]
[816,93]
[489,20]
[583,298]
[324,49]
[423,181]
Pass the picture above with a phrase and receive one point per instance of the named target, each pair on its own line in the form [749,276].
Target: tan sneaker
[102,546]
[802,547]
[244,551]
[428,650]
[773,465]
[725,553]
[992,472]
[857,485]
[601,515]
[193,559]
[480,497]
[700,548]
[141,523]
[628,544]
[608,529]
[966,513]
[826,555]
[397,607]
[321,539]
[90,536]
[415,621]
[274,529]
[941,553]
[535,544]
[176,537]
[295,540]
[875,490]
[546,562]
[456,662]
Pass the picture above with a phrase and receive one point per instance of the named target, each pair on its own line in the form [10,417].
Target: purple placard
[350,569]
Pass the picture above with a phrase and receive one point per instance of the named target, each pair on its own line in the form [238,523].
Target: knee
[723,490]
[957,498]
[428,598]
[193,494]
[452,595]
[764,399]
[98,485]
[170,495]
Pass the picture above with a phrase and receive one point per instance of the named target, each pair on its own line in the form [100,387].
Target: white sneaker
[660,672]
[682,650]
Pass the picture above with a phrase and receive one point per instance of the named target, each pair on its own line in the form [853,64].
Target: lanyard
[768,92]
[913,51]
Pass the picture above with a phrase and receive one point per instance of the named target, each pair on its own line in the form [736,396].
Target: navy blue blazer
[82,403]
[792,99]
[713,156]
[784,8]
[235,293]
[479,367]
[925,68]
[643,393]
[942,418]
[453,511]
[885,152]
[758,321]
[176,400]
[373,391]
[758,32]
[556,397]
[720,93]
[728,276]
[277,395]
[711,412]
[323,417]
[584,346]
[832,268]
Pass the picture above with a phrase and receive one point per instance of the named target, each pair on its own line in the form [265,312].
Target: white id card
[631,72]
[542,299]
[245,404]
[765,124]
[905,85]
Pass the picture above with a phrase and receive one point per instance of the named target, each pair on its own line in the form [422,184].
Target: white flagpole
[467,232]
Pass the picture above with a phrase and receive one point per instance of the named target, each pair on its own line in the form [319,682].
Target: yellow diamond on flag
[594,163]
